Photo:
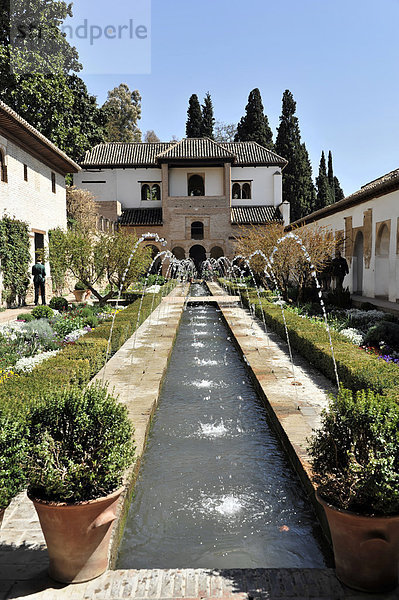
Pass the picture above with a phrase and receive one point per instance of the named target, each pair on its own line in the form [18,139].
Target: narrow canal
[215,489]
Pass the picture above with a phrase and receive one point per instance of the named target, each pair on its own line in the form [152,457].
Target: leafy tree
[37,79]
[82,209]
[325,195]
[335,187]
[194,118]
[298,188]
[122,110]
[100,260]
[224,132]
[208,120]
[151,137]
[289,262]
[254,126]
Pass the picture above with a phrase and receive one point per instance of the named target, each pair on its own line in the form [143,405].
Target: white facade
[32,178]
[32,201]
[369,227]
[124,184]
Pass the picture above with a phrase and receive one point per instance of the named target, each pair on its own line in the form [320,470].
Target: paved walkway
[136,371]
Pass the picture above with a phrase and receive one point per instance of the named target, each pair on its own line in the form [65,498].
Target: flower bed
[357,369]
[75,363]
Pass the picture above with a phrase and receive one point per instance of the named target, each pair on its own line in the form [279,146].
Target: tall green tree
[208,120]
[330,171]
[338,191]
[194,118]
[254,125]
[122,109]
[324,196]
[335,187]
[38,75]
[298,188]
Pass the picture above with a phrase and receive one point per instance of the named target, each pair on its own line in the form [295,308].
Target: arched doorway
[217,252]
[197,253]
[382,262]
[197,230]
[179,253]
[357,262]
[156,266]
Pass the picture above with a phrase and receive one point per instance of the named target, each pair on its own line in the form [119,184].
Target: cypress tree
[330,173]
[298,188]
[208,120]
[323,188]
[338,191]
[194,118]
[254,125]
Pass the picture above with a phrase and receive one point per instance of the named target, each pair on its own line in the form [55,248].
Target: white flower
[27,364]
[74,335]
[354,335]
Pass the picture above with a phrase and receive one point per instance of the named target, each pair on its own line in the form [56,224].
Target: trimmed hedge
[77,363]
[357,370]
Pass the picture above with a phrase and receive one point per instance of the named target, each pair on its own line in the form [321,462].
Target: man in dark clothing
[339,270]
[39,281]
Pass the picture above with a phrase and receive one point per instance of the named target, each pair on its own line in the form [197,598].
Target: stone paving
[136,372]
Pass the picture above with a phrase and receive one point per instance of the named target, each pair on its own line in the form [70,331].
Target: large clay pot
[77,536]
[79,295]
[366,549]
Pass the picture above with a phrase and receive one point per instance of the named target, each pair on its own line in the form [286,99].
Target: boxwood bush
[357,370]
[76,364]
[13,449]
[80,443]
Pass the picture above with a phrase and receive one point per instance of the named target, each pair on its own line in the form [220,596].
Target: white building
[368,224]
[189,191]
[32,178]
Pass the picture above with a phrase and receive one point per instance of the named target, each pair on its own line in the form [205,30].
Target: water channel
[215,489]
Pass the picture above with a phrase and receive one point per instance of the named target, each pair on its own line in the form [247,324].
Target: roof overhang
[14,127]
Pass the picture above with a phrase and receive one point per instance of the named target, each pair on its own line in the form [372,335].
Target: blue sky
[339,59]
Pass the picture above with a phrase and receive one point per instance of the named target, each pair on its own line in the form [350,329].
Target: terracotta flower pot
[79,295]
[78,536]
[366,549]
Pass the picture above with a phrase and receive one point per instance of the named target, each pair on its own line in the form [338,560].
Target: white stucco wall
[31,201]
[263,185]
[384,270]
[123,185]
[178,180]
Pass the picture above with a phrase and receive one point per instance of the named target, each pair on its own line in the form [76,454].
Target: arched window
[236,191]
[156,192]
[145,192]
[246,191]
[196,185]
[197,230]
[217,252]
[3,168]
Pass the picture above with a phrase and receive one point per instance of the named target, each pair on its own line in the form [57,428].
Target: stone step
[168,584]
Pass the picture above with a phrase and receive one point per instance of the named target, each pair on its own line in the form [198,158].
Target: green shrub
[67,368]
[357,369]
[66,324]
[355,454]
[91,321]
[384,333]
[59,303]
[85,311]
[13,447]
[42,312]
[27,317]
[339,298]
[367,306]
[79,285]
[80,445]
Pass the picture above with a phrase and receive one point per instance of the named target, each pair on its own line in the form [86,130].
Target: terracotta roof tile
[255,215]
[141,216]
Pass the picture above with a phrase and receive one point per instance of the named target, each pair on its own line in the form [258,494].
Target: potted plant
[79,291]
[13,444]
[355,461]
[80,445]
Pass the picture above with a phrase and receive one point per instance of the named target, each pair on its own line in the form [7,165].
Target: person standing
[39,281]
[339,270]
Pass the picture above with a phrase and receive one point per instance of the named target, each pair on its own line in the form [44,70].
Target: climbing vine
[15,259]
[56,257]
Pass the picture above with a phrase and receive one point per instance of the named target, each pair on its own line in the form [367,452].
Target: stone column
[367,236]
[227,182]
